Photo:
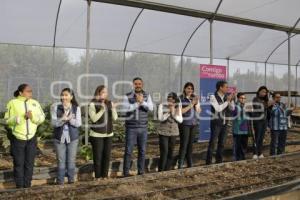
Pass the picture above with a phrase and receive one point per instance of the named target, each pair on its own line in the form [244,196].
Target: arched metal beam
[126,44]
[131,29]
[289,37]
[197,13]
[192,35]
[54,39]
[56,21]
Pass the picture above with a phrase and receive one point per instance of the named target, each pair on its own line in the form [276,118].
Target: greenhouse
[80,44]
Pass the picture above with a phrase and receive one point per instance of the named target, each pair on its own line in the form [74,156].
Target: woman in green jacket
[23,116]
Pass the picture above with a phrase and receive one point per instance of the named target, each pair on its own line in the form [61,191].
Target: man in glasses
[278,123]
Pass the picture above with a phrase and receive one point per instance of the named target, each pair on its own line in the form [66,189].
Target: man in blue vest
[137,105]
[221,107]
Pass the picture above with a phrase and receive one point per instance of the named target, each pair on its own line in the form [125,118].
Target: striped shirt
[279,117]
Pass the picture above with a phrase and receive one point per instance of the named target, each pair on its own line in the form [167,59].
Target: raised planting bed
[209,182]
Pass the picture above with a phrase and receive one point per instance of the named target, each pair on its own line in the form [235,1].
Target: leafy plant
[4,141]
[86,152]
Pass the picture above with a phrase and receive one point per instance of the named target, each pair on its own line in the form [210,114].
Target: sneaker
[255,156]
[261,156]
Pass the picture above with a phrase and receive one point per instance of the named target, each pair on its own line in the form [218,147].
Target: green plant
[86,152]
[4,141]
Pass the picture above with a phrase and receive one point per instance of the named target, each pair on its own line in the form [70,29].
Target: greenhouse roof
[255,30]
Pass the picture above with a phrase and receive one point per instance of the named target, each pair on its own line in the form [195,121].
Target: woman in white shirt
[170,115]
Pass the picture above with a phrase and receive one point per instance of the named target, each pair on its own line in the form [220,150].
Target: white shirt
[163,117]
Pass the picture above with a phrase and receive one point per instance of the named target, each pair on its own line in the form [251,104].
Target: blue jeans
[135,136]
[66,158]
[278,141]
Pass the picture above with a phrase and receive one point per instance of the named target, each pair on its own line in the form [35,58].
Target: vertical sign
[209,76]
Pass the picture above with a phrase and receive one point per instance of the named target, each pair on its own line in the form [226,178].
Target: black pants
[240,143]
[278,141]
[101,155]
[186,145]
[218,132]
[259,129]
[23,153]
[166,147]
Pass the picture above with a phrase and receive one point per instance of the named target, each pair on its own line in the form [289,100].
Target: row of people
[179,116]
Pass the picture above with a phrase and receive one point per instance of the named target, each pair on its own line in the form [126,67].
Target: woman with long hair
[102,113]
[66,119]
[259,117]
[190,113]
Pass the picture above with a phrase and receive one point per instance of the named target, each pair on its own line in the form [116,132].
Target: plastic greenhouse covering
[126,40]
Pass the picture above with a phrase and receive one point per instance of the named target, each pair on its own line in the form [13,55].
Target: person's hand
[230,97]
[28,115]
[172,109]
[195,100]
[139,98]
[271,103]
[65,118]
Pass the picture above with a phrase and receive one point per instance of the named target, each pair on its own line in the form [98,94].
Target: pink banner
[213,72]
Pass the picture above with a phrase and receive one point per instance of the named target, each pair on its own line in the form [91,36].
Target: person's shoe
[261,156]
[255,156]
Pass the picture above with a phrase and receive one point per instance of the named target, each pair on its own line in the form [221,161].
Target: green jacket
[21,128]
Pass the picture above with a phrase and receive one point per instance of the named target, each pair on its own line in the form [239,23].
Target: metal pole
[181,63]
[211,60]
[228,62]
[266,74]
[123,70]
[87,66]
[289,70]
[53,63]
[296,84]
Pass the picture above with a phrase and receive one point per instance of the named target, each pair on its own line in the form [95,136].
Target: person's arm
[56,122]
[234,111]
[94,116]
[38,116]
[11,116]
[127,107]
[187,108]
[231,105]
[216,105]
[114,113]
[178,116]
[76,122]
[162,117]
[148,105]
[198,107]
[289,111]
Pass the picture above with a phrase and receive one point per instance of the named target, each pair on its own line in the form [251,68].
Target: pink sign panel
[213,72]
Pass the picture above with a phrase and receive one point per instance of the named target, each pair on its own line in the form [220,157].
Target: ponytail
[21,88]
